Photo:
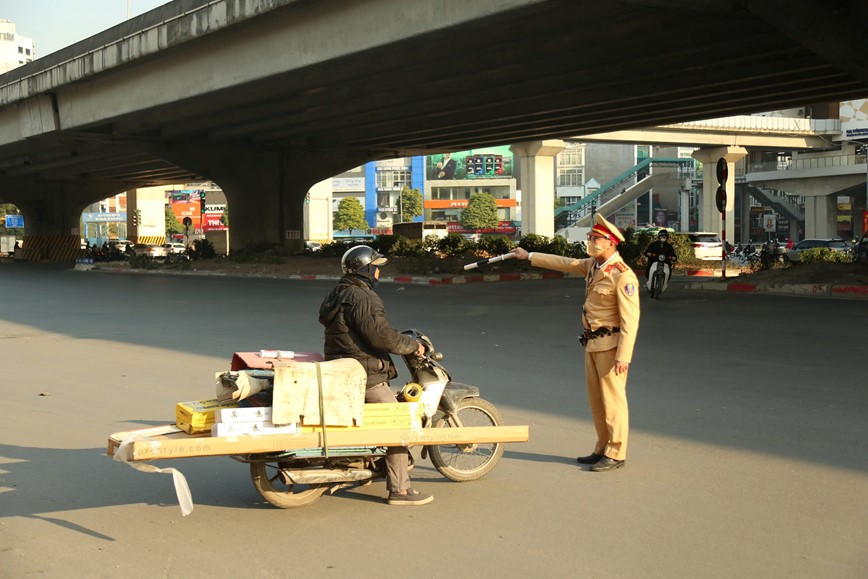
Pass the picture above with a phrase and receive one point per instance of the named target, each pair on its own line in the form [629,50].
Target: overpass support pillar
[537,169]
[52,215]
[710,218]
[821,216]
[265,189]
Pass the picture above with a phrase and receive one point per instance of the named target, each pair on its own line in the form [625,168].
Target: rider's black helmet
[360,256]
[663,234]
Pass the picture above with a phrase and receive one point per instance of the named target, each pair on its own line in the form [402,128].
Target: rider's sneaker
[413,498]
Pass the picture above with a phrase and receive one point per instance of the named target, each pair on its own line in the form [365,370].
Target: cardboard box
[198,415]
[304,389]
[236,415]
[249,428]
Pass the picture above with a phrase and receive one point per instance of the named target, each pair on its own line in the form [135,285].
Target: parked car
[311,246]
[174,247]
[150,250]
[706,245]
[794,254]
[860,250]
[122,245]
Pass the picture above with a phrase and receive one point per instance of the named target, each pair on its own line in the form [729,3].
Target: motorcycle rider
[356,327]
[656,248]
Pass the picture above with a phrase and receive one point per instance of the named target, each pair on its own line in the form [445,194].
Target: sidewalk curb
[797,289]
[711,284]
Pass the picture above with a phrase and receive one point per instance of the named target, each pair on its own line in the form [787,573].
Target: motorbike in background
[658,277]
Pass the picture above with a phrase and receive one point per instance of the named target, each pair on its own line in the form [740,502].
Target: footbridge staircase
[620,191]
[780,202]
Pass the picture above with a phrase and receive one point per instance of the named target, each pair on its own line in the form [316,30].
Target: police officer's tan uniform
[610,318]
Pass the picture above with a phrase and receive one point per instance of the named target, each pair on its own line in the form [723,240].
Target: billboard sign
[484,163]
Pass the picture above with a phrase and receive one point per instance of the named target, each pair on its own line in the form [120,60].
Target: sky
[55,24]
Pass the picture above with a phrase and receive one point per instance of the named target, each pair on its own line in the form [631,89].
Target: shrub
[824,254]
[404,247]
[495,245]
[384,243]
[534,242]
[142,262]
[202,249]
[453,245]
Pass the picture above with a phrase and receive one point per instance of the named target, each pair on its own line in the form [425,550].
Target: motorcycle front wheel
[269,484]
[657,286]
[467,462]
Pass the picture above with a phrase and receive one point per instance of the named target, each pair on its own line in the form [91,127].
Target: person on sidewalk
[356,327]
[610,322]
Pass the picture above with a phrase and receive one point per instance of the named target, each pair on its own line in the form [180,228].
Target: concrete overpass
[267,97]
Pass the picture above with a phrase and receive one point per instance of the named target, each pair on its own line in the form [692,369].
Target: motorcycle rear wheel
[463,462]
[269,484]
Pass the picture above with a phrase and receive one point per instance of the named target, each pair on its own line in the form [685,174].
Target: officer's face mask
[596,245]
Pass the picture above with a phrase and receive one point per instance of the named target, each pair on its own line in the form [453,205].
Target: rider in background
[661,246]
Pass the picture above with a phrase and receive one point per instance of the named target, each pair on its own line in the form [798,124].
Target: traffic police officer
[610,320]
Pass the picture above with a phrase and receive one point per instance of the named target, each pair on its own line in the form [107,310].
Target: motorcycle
[297,478]
[746,255]
[658,277]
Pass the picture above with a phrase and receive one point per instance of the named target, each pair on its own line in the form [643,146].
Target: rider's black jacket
[655,249]
[356,327]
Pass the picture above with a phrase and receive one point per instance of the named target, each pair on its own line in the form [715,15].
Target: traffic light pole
[720,200]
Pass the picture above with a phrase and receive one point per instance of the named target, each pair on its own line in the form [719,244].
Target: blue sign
[110,217]
[14,221]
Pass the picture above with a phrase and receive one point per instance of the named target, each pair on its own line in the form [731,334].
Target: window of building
[572,156]
[571,176]
[393,179]
[20,50]
[27,51]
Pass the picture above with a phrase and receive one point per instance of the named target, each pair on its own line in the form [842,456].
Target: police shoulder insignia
[630,289]
[621,266]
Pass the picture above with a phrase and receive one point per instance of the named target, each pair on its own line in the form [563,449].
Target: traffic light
[137,217]
[202,204]
[722,174]
[307,198]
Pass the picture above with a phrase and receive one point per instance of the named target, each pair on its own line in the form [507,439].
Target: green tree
[481,212]
[351,215]
[224,219]
[410,203]
[173,226]
[7,209]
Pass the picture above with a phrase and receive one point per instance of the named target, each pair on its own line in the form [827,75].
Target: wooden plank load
[172,442]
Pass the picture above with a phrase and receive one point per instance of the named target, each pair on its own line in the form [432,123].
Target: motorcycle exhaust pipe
[324,476]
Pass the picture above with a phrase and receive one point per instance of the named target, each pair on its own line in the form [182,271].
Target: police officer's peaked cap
[603,227]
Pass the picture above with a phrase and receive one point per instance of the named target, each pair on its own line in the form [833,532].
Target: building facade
[15,49]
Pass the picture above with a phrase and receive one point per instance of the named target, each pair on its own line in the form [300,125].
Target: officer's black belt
[588,335]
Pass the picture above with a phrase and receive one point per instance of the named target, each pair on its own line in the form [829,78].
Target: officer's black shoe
[592,458]
[606,464]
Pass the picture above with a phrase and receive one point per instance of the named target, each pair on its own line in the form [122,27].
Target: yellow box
[198,415]
[382,416]
[391,409]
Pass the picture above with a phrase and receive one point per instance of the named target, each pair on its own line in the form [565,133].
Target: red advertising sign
[504,227]
[213,221]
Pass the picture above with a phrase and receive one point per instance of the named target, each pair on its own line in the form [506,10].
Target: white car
[706,245]
[174,248]
[149,250]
